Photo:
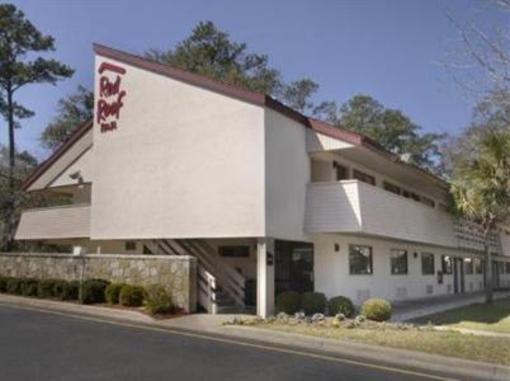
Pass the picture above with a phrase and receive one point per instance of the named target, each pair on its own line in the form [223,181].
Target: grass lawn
[449,343]
[495,317]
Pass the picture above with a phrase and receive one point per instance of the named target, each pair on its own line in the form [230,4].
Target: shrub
[313,302]
[14,286]
[46,288]
[131,296]
[29,287]
[376,309]
[340,305]
[71,290]
[3,283]
[112,292]
[93,291]
[59,287]
[288,302]
[158,300]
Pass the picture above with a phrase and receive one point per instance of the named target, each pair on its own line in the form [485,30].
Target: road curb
[406,359]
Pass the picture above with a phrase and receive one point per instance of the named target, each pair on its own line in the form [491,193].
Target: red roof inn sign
[110,97]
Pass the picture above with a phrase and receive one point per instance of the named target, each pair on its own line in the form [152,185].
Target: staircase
[221,288]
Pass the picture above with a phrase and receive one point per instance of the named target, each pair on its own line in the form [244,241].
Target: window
[427,264]
[234,251]
[446,264]
[428,201]
[361,176]
[500,267]
[507,265]
[360,260]
[342,173]
[391,188]
[411,195]
[468,265]
[130,245]
[478,265]
[398,261]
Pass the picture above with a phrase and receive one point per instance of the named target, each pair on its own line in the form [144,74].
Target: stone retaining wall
[177,273]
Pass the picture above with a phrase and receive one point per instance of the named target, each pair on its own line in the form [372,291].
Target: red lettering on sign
[110,102]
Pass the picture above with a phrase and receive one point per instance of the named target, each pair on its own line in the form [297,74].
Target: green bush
[112,292]
[131,296]
[93,291]
[376,309]
[71,290]
[340,305]
[3,283]
[14,286]
[158,300]
[313,302]
[288,302]
[59,287]
[29,287]
[46,288]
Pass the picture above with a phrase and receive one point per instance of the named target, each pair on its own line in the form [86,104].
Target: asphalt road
[36,345]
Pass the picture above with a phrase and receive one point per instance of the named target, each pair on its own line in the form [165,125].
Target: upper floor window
[398,259]
[411,195]
[360,260]
[361,176]
[446,264]
[468,265]
[130,245]
[427,264]
[342,173]
[234,251]
[391,188]
[507,267]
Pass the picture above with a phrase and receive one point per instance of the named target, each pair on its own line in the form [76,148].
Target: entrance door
[458,275]
[294,266]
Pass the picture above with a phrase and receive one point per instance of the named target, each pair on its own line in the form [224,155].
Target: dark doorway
[294,266]
[458,275]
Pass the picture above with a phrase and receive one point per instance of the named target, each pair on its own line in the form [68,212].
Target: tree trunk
[488,269]
[9,212]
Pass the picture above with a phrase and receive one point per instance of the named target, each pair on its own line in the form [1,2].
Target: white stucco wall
[81,164]
[184,162]
[332,270]
[287,173]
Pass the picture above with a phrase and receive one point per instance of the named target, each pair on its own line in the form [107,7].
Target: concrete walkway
[413,309]
[204,325]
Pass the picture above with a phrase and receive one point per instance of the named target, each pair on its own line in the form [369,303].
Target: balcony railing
[351,206]
[60,222]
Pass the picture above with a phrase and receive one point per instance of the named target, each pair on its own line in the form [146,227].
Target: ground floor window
[507,267]
[468,265]
[360,260]
[478,265]
[293,266]
[446,264]
[427,264]
[398,261]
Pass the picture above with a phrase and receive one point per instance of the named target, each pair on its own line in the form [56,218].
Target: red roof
[230,90]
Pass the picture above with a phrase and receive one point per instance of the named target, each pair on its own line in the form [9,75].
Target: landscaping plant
[93,290]
[340,305]
[158,300]
[313,302]
[131,296]
[112,292]
[288,302]
[376,309]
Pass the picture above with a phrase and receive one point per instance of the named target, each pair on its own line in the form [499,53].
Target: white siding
[55,223]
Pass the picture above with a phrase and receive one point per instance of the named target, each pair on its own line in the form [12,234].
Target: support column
[265,277]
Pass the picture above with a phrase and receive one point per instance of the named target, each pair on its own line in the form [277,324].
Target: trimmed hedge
[158,300]
[288,302]
[3,283]
[93,290]
[376,309]
[71,290]
[340,305]
[313,302]
[14,286]
[112,292]
[131,296]
[30,287]
[46,288]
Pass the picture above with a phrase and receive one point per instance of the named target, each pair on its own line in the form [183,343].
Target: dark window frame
[130,245]
[428,201]
[342,168]
[395,189]
[426,256]
[395,260]
[370,263]
[363,177]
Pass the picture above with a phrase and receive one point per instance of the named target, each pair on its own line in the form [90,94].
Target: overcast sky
[388,49]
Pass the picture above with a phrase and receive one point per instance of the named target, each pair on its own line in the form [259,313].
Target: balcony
[61,222]
[355,207]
